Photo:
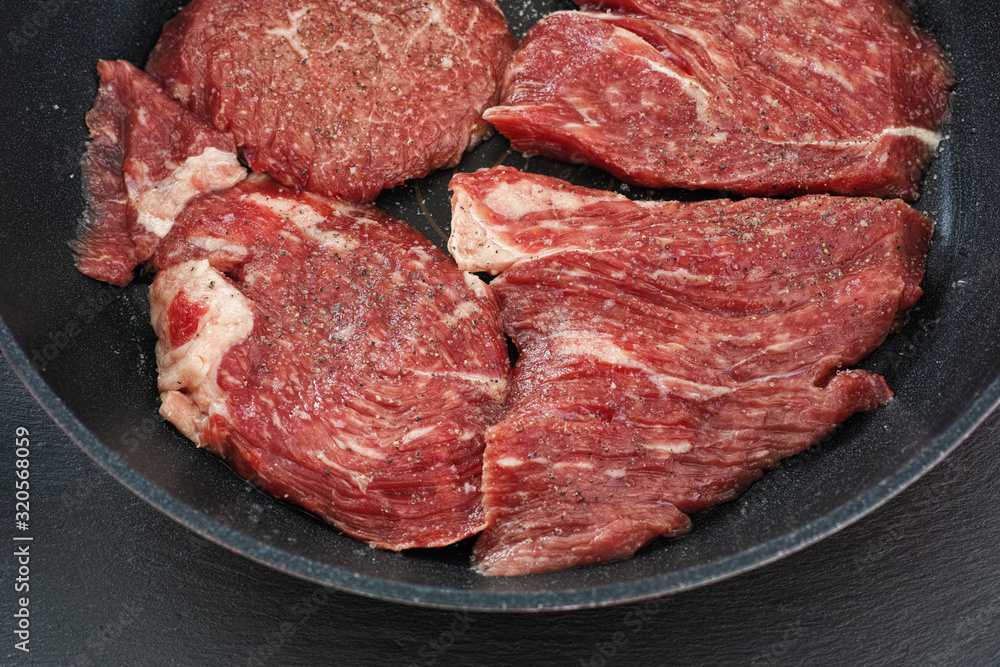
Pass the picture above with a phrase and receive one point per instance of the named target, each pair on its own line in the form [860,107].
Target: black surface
[115,582]
[86,348]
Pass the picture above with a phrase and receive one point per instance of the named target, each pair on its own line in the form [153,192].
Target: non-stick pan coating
[85,349]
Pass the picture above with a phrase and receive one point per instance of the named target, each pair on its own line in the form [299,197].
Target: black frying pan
[85,349]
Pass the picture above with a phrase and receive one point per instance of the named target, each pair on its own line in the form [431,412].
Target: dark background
[114,582]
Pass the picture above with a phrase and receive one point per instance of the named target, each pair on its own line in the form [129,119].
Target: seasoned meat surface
[669,352]
[147,157]
[330,354]
[333,356]
[758,98]
[339,98]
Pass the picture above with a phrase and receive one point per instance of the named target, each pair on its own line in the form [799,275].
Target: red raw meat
[329,353]
[148,156]
[333,356]
[669,352]
[758,98]
[341,99]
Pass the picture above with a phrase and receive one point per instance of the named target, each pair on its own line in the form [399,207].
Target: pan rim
[588,597]
[851,509]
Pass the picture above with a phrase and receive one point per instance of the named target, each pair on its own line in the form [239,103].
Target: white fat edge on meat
[829,70]
[419,257]
[308,220]
[417,433]
[579,465]
[580,105]
[188,381]
[691,87]
[514,462]
[929,137]
[158,206]
[215,244]
[699,96]
[701,99]
[291,33]
[606,350]
[494,386]
[472,243]
[668,447]
[682,275]
[354,445]
[789,344]
[467,307]
[836,73]
[480,245]
[362,480]
[359,479]
[476,285]
[516,200]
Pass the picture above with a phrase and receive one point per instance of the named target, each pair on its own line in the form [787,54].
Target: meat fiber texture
[669,352]
[332,356]
[148,156]
[757,98]
[342,99]
[327,352]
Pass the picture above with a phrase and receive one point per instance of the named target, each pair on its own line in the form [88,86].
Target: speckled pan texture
[85,349]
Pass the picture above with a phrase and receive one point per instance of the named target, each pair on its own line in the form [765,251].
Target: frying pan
[85,349]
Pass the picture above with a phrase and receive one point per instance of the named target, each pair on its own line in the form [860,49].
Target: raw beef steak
[343,99]
[333,356]
[758,98]
[147,157]
[669,352]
